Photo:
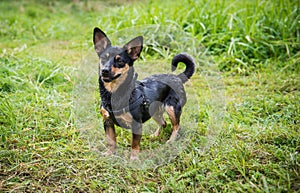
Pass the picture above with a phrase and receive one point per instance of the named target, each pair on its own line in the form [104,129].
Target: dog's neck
[118,97]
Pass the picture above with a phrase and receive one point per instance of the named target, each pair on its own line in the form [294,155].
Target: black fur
[128,102]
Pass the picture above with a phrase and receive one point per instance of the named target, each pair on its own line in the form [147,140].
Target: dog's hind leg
[159,119]
[175,119]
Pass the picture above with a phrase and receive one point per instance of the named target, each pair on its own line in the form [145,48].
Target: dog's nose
[105,71]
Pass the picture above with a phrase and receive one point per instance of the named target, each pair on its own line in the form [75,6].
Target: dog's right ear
[134,47]
[101,42]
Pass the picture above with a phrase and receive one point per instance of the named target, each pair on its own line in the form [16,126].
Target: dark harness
[140,102]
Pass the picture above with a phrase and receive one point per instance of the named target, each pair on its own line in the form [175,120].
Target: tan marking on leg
[175,123]
[111,140]
[104,113]
[171,113]
[135,146]
[174,134]
[109,132]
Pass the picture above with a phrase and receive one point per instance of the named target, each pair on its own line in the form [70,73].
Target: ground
[240,125]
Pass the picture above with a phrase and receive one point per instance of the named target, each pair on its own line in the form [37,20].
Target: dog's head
[115,61]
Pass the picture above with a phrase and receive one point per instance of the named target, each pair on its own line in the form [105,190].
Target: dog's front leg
[110,132]
[110,136]
[136,139]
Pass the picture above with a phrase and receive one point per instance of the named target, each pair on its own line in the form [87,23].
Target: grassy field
[240,126]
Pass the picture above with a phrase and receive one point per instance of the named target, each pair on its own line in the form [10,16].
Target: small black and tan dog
[127,102]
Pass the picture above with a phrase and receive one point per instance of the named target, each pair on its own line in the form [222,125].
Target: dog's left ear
[134,47]
[101,41]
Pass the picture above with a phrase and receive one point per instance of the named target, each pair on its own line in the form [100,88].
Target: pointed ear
[134,47]
[101,42]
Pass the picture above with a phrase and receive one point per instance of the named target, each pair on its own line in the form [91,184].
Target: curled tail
[189,63]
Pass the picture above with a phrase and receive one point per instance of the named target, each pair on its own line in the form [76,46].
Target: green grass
[241,122]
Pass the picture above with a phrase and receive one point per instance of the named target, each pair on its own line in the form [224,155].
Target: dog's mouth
[107,78]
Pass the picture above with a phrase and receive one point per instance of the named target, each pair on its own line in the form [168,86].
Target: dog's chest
[123,119]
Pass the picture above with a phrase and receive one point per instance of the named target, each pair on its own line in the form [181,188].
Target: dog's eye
[117,58]
[118,61]
[120,64]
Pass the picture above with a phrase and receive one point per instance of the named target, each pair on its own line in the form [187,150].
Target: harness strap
[141,101]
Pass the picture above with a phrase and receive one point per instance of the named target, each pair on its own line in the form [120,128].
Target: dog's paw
[156,134]
[108,153]
[171,140]
[134,158]
[134,155]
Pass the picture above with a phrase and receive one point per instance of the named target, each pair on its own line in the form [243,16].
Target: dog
[127,102]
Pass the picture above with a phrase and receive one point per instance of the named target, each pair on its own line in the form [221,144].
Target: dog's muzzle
[107,76]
